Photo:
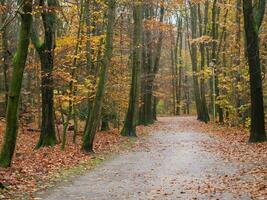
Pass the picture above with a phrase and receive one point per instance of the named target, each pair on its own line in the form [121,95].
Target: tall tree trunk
[177,65]
[238,56]
[129,128]
[72,107]
[173,80]
[147,70]
[19,62]
[252,21]
[193,53]
[180,71]
[214,34]
[202,32]
[151,66]
[94,116]
[46,53]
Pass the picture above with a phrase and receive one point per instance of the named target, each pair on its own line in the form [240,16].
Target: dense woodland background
[71,68]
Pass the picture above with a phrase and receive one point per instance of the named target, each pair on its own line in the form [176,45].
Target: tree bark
[129,128]
[202,32]
[5,51]
[252,22]
[193,53]
[45,50]
[19,62]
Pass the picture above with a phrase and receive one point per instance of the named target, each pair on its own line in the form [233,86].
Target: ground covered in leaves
[182,158]
[34,170]
[231,144]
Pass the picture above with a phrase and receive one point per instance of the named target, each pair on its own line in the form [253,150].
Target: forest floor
[180,159]
[176,158]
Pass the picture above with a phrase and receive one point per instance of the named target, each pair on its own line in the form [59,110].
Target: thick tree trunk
[19,61]
[46,54]
[147,82]
[48,133]
[252,22]
[129,128]
[93,119]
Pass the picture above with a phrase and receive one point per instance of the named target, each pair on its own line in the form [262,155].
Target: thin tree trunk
[205,116]
[72,87]
[93,120]
[177,66]
[173,80]
[193,53]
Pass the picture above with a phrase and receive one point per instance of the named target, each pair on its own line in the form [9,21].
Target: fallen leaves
[32,169]
[230,143]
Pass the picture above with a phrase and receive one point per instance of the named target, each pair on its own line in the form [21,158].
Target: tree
[45,50]
[253,17]
[205,114]
[129,128]
[19,61]
[151,61]
[4,41]
[94,116]
[193,53]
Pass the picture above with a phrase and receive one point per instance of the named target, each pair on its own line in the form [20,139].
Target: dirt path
[173,165]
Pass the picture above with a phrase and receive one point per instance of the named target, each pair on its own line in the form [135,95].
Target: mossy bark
[19,62]
[94,117]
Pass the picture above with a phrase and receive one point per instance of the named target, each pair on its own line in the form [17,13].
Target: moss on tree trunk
[19,61]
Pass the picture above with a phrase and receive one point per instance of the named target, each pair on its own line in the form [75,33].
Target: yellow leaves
[205,39]
[66,41]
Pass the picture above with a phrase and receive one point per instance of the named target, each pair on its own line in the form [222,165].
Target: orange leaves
[36,169]
[205,39]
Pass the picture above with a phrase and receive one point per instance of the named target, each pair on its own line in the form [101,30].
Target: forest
[89,86]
